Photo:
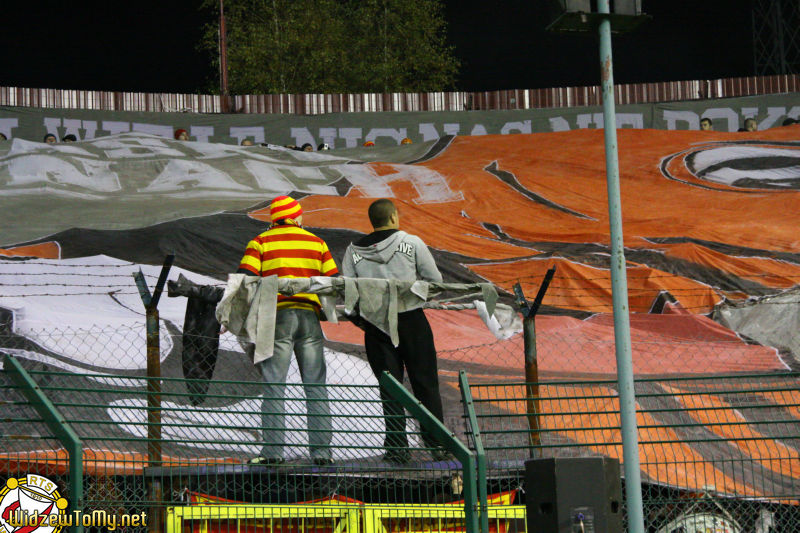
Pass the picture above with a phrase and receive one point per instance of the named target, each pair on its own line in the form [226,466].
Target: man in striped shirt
[289,251]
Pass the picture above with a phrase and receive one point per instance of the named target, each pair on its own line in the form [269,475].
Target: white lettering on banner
[522,127]
[113,127]
[177,172]
[749,112]
[351,136]
[774,115]
[428,131]
[584,120]
[72,126]
[366,180]
[301,176]
[180,175]
[559,124]
[267,176]
[328,136]
[100,172]
[90,127]
[202,133]
[451,128]
[672,118]
[7,125]
[430,186]
[51,124]
[302,136]
[723,113]
[34,169]
[153,129]
[208,150]
[136,148]
[241,133]
[734,120]
[634,120]
[478,129]
[398,134]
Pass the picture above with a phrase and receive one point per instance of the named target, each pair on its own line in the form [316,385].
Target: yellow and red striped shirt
[289,251]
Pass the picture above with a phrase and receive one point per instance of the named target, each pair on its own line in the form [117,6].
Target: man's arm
[348,266]
[328,264]
[251,262]
[426,266]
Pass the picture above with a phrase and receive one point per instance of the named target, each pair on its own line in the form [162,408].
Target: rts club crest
[31,504]
[742,166]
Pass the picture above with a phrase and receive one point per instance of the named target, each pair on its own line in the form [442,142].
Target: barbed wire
[657,276]
[109,293]
[82,274]
[59,264]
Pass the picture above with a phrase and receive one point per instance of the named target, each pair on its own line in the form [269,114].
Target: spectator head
[285,207]
[406,140]
[750,124]
[323,146]
[247,142]
[50,139]
[307,147]
[181,135]
[69,138]
[706,124]
[3,137]
[786,122]
[383,214]
[369,144]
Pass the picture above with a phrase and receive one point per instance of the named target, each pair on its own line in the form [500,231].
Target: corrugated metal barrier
[313,104]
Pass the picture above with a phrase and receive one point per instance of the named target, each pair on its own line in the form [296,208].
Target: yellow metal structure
[334,518]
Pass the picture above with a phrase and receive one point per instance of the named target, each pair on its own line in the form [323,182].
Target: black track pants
[416,353]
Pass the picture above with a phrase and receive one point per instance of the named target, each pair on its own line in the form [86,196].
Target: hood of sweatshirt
[382,251]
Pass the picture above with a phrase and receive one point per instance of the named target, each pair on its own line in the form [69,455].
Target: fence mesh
[718,426]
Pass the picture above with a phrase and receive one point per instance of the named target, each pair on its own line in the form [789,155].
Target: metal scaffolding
[776,36]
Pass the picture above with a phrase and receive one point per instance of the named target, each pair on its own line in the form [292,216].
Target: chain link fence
[718,426]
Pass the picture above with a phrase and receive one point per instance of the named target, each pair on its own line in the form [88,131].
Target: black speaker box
[573,495]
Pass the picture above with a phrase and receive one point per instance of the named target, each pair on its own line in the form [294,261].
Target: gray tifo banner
[347,130]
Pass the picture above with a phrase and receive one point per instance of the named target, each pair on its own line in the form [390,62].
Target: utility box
[582,15]
[573,495]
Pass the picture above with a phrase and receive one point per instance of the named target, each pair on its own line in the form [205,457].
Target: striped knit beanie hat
[284,207]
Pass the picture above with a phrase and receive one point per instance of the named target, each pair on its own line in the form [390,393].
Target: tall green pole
[619,287]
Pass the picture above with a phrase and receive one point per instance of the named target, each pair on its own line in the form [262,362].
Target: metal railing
[311,104]
[727,444]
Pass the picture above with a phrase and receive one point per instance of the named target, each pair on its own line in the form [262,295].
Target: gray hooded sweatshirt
[399,256]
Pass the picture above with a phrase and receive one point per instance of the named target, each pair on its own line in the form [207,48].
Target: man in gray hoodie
[389,253]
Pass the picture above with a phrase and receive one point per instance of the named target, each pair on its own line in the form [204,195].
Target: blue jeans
[296,330]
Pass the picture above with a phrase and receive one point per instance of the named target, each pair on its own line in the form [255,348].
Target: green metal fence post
[58,425]
[480,453]
[619,286]
[447,438]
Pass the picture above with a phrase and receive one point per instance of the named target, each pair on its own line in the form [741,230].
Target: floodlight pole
[619,287]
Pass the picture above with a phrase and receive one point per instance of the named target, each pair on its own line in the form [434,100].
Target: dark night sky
[149,45]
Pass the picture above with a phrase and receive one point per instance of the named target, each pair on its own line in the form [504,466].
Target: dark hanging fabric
[200,335]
